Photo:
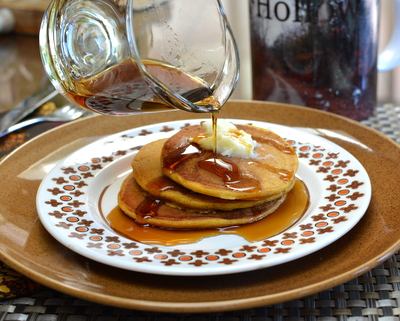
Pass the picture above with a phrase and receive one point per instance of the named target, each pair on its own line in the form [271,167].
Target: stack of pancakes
[177,184]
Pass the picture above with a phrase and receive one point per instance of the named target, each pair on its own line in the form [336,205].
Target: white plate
[75,196]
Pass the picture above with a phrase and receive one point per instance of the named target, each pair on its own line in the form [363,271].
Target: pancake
[148,174]
[271,172]
[148,210]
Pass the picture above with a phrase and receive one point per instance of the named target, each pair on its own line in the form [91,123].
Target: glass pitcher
[122,57]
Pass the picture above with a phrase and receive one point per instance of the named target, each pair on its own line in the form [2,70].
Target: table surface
[374,295]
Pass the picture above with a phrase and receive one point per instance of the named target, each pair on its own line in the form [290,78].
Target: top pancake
[270,172]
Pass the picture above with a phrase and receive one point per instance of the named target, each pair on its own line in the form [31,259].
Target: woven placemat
[386,119]
[374,295]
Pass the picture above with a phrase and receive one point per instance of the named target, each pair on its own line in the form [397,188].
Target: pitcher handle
[389,58]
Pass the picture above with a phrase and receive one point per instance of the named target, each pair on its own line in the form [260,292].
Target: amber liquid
[287,214]
[223,166]
[214,119]
[122,90]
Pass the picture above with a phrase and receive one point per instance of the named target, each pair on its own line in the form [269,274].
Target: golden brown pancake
[270,173]
[148,174]
[147,210]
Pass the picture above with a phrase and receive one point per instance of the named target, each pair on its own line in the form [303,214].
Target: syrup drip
[279,146]
[180,155]
[164,184]
[230,173]
[287,214]
[283,174]
[147,208]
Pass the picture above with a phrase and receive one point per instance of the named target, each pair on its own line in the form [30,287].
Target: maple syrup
[214,163]
[122,90]
[230,173]
[223,166]
[287,214]
[214,120]
[147,208]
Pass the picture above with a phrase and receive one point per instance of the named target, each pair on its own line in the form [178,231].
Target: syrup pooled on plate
[287,214]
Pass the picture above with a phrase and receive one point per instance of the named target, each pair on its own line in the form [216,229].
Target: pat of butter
[230,140]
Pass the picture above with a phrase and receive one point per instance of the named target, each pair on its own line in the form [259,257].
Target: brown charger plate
[27,247]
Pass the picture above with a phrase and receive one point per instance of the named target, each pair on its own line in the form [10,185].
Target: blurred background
[237,11]
[20,65]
